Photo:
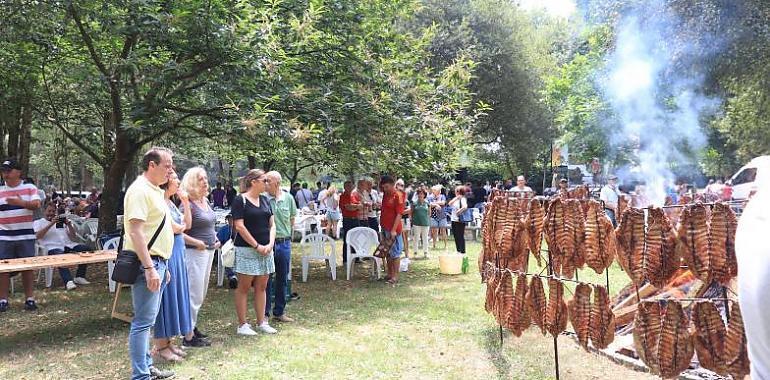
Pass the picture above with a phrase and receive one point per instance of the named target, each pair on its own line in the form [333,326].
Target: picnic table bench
[64,260]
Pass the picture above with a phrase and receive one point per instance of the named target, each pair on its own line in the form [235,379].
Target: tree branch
[87,40]
[56,120]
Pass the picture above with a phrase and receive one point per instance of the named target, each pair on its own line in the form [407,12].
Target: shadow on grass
[83,315]
[494,350]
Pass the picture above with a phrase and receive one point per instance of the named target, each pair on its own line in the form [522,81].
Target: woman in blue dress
[174,315]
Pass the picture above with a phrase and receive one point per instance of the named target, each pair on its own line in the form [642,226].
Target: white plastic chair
[475,225]
[90,229]
[41,251]
[111,245]
[364,241]
[305,225]
[318,244]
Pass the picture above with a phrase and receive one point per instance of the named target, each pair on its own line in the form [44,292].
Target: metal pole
[555,339]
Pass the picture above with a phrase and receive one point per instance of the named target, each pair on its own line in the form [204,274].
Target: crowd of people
[171,225]
[29,218]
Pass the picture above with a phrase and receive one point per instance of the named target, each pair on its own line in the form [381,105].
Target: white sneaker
[70,285]
[267,329]
[82,281]
[245,329]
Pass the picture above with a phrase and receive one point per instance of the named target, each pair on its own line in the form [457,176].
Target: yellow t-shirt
[144,201]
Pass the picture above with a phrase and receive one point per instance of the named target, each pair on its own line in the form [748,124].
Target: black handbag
[127,264]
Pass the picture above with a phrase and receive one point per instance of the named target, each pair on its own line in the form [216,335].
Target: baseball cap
[614,177]
[10,164]
[564,180]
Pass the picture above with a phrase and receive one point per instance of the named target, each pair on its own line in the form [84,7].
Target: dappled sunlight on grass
[429,326]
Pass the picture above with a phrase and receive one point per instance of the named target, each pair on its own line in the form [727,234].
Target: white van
[745,180]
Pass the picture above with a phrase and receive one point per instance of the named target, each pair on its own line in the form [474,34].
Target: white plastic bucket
[450,264]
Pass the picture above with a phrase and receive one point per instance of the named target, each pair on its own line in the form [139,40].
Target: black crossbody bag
[127,264]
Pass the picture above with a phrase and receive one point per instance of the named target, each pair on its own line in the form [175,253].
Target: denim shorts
[17,249]
[439,223]
[332,215]
[398,245]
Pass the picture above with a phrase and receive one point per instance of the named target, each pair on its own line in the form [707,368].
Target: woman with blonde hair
[254,262]
[332,204]
[200,241]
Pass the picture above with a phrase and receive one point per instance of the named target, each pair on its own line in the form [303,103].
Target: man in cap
[609,195]
[563,190]
[17,236]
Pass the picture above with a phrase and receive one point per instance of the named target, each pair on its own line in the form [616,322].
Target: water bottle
[466,264]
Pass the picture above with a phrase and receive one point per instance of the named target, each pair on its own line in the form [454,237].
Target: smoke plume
[658,105]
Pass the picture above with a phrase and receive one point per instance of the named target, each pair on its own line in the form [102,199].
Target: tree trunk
[25,136]
[230,172]
[252,162]
[113,184]
[268,165]
[132,171]
[221,173]
[294,173]
[114,173]
[13,132]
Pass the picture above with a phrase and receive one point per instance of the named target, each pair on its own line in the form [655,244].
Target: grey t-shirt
[203,221]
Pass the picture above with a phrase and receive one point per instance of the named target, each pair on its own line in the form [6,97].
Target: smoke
[658,104]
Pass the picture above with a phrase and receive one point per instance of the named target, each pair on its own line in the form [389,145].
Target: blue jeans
[146,306]
[611,214]
[282,257]
[64,272]
[398,245]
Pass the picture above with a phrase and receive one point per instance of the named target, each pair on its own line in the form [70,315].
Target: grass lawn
[429,327]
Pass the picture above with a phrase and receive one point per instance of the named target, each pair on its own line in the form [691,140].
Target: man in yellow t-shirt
[145,210]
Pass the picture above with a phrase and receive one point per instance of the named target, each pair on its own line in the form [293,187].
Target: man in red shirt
[350,204]
[393,205]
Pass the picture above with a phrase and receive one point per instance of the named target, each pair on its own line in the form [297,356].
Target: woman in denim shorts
[438,220]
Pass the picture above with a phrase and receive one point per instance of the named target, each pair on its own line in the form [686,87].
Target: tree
[118,76]
[513,51]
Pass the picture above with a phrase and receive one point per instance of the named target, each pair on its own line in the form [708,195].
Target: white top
[457,205]
[609,196]
[322,200]
[332,202]
[55,238]
[526,188]
[753,254]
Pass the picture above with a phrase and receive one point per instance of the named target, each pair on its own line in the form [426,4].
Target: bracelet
[145,268]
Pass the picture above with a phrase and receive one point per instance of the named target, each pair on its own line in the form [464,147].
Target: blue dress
[174,315]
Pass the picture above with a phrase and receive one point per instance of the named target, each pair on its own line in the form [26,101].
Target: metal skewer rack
[551,275]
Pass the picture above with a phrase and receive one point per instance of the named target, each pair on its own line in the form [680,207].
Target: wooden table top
[67,259]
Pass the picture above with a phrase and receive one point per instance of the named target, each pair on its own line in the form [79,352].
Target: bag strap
[152,240]
[157,232]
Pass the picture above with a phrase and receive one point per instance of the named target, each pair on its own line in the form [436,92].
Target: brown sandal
[178,351]
[166,354]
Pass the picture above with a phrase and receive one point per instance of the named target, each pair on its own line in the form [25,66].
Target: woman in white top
[332,203]
[459,206]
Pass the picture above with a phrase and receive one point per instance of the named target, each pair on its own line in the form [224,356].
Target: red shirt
[349,199]
[393,205]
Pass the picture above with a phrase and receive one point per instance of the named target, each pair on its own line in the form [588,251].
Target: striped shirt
[16,221]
